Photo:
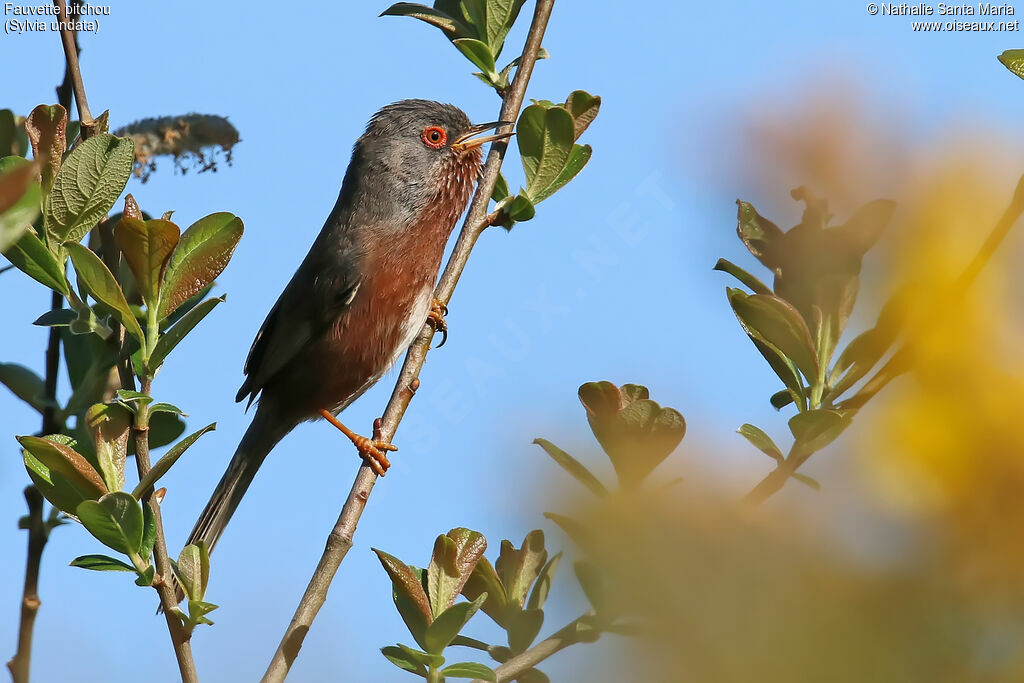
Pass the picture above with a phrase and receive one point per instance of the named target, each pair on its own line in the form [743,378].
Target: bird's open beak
[467,141]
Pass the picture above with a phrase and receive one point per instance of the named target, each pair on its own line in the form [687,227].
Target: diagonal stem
[340,539]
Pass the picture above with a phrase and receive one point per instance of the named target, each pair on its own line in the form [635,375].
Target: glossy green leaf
[115,520]
[781,399]
[542,586]
[146,576]
[164,428]
[147,248]
[101,563]
[545,137]
[19,200]
[520,209]
[743,276]
[584,108]
[148,533]
[193,570]
[1014,61]
[760,235]
[453,560]
[816,429]
[501,14]
[409,596]
[579,155]
[96,278]
[164,464]
[523,629]
[773,320]
[469,670]
[761,441]
[90,180]
[479,54]
[573,467]
[46,126]
[30,256]
[109,426]
[518,569]
[399,658]
[59,466]
[201,255]
[26,385]
[173,336]
[446,626]
[451,25]
[484,580]
[58,317]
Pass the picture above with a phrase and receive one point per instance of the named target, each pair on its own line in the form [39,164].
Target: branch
[340,539]
[162,582]
[570,634]
[20,664]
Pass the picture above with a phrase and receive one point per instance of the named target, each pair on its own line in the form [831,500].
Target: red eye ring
[434,137]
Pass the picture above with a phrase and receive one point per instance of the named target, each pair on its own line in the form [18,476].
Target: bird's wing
[311,302]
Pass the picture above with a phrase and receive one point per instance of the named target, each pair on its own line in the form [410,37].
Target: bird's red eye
[434,136]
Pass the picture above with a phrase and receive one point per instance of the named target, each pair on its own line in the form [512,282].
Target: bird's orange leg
[436,320]
[370,450]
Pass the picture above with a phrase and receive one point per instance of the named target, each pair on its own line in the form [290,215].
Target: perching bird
[364,290]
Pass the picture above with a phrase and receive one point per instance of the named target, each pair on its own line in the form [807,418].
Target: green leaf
[193,570]
[164,428]
[103,287]
[449,24]
[593,585]
[63,475]
[523,629]
[479,54]
[500,189]
[115,520]
[518,569]
[816,429]
[501,15]
[773,320]
[520,209]
[166,408]
[1014,61]
[469,670]
[58,317]
[781,399]
[46,127]
[453,560]
[573,467]
[146,576]
[399,658]
[26,385]
[8,135]
[743,276]
[164,464]
[30,256]
[147,248]
[761,441]
[197,611]
[760,235]
[148,533]
[101,563]
[584,107]
[91,179]
[545,138]
[542,586]
[447,625]
[484,581]
[408,594]
[109,426]
[129,396]
[19,199]
[578,158]
[172,337]
[201,255]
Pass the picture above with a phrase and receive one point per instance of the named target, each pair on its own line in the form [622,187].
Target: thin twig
[20,664]
[67,37]
[162,581]
[515,667]
[340,539]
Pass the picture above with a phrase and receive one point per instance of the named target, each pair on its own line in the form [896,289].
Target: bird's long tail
[259,439]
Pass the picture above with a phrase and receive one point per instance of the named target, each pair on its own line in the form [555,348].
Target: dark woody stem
[340,539]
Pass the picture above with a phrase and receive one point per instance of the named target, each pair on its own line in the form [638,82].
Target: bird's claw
[372,451]
[435,318]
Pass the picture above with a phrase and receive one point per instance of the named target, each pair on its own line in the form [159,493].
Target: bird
[363,291]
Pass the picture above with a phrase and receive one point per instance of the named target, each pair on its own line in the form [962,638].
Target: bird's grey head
[420,151]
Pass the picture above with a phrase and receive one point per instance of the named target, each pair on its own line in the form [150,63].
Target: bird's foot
[436,320]
[370,450]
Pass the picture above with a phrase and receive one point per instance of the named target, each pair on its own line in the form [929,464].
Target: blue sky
[612,280]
